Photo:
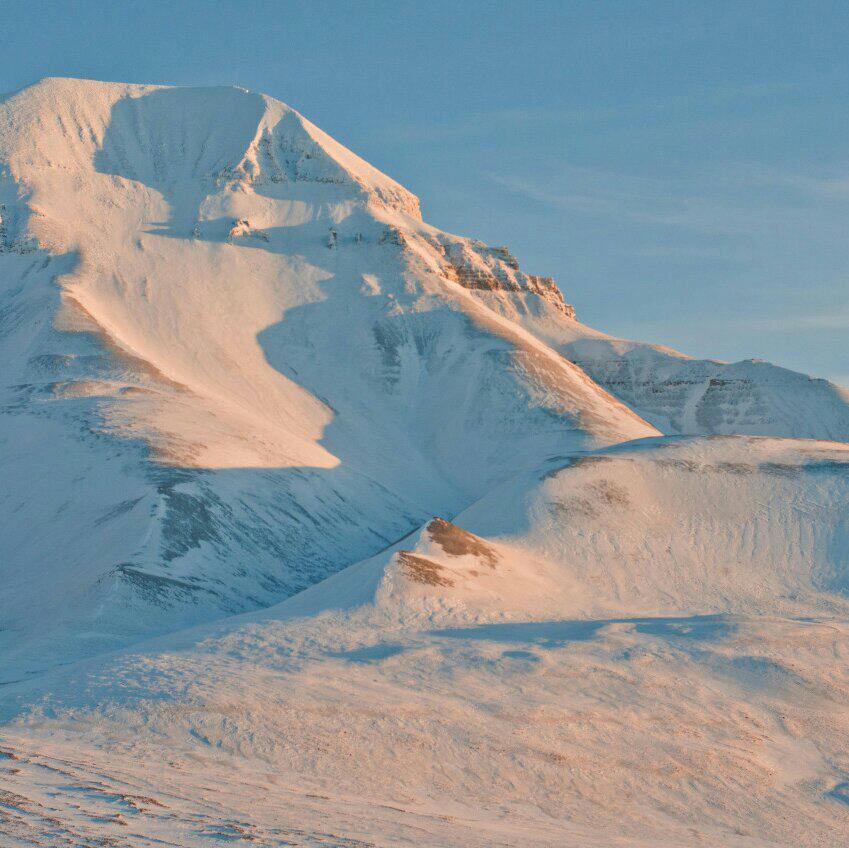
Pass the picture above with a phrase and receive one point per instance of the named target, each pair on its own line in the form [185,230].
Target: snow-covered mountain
[234,364]
[237,360]
[451,573]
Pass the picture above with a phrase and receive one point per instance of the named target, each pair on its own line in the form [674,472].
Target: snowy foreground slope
[645,645]
[451,574]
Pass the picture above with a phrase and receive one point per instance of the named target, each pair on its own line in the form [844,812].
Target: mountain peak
[164,135]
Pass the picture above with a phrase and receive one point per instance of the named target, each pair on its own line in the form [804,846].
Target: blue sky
[682,169]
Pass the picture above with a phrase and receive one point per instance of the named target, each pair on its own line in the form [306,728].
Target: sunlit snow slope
[640,646]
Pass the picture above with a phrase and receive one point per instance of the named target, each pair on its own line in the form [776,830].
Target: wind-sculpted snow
[644,645]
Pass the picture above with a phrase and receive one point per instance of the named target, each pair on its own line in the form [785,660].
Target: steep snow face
[235,364]
[643,645]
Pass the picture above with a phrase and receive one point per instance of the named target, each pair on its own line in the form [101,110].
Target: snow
[527,695]
[306,498]
[679,394]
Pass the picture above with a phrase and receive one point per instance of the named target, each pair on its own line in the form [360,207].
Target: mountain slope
[682,395]
[233,365]
[616,656]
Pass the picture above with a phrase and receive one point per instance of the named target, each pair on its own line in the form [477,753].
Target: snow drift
[635,646]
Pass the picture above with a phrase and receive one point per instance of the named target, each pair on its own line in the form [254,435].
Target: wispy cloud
[690,108]
[797,323]
[720,202]
[832,186]
[473,124]
[661,203]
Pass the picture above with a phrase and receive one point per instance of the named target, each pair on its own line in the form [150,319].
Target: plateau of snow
[305,497]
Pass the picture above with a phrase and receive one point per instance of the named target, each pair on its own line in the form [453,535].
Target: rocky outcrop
[479,267]
[13,238]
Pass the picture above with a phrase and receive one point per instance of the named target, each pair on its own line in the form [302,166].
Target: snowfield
[320,526]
